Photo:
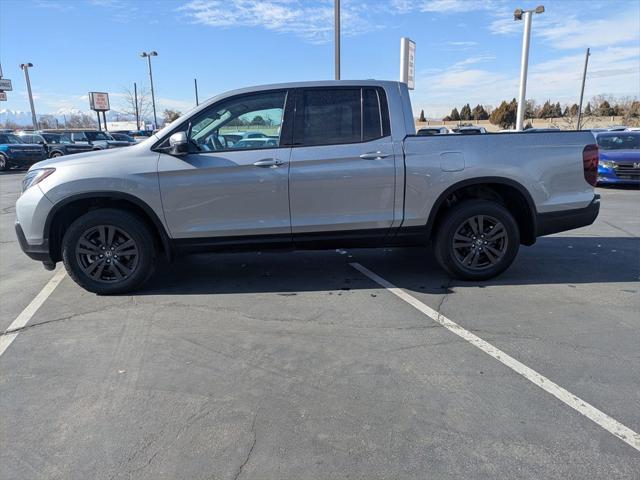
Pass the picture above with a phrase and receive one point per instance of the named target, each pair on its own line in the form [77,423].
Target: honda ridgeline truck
[345,170]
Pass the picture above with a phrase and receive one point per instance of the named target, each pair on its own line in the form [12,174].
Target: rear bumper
[554,222]
[39,252]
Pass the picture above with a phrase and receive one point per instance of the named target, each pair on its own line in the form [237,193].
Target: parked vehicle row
[27,147]
[619,157]
[346,170]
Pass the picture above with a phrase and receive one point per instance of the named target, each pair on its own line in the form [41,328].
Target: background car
[234,137]
[15,153]
[470,130]
[123,137]
[433,131]
[619,161]
[53,144]
[99,140]
[256,143]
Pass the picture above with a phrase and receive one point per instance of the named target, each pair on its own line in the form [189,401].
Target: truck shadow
[553,260]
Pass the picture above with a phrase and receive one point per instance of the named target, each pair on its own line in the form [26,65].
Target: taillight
[590,164]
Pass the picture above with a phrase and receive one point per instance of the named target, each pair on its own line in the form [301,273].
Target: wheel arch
[68,209]
[511,194]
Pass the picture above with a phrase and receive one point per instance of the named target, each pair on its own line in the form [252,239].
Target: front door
[234,181]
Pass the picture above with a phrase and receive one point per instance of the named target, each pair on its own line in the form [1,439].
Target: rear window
[7,138]
[341,115]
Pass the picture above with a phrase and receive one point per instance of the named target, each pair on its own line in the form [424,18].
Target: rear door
[342,172]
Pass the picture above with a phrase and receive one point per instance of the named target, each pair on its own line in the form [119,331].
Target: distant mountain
[23,118]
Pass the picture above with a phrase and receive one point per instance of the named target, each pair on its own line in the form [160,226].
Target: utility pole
[337,38]
[25,67]
[525,15]
[584,78]
[148,55]
[195,83]
[135,99]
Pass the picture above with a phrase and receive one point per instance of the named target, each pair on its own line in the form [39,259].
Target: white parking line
[21,320]
[605,421]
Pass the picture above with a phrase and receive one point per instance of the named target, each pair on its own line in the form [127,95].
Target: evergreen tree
[422,118]
[587,109]
[479,113]
[465,113]
[454,115]
[604,110]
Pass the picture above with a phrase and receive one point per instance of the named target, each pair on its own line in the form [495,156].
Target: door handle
[268,163]
[374,156]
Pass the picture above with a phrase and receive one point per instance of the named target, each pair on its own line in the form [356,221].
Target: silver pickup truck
[338,164]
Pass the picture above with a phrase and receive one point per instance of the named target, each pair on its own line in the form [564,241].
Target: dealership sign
[408,62]
[99,101]
[3,96]
[5,85]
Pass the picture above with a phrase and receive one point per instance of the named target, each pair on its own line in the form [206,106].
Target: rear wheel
[3,163]
[477,240]
[55,155]
[109,251]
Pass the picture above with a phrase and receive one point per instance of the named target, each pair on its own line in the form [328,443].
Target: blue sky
[467,50]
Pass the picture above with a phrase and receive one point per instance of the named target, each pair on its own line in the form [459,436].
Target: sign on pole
[99,101]
[5,85]
[408,62]
[3,97]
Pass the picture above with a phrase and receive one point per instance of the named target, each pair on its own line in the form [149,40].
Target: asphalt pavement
[298,366]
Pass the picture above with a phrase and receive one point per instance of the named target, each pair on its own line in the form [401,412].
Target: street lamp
[148,55]
[25,67]
[525,15]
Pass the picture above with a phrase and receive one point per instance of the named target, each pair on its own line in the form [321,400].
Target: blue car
[619,158]
[14,153]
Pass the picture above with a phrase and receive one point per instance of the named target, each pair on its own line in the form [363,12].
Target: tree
[128,105]
[465,112]
[454,115]
[505,114]
[604,109]
[479,113]
[258,120]
[587,109]
[48,121]
[573,111]
[530,109]
[422,118]
[557,110]
[632,114]
[171,115]
[81,120]
[546,111]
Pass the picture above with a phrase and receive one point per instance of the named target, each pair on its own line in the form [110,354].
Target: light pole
[337,37]
[584,78]
[25,67]
[148,55]
[525,15]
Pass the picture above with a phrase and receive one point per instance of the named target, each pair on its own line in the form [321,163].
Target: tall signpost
[584,78]
[5,86]
[408,62]
[337,38]
[25,67]
[99,102]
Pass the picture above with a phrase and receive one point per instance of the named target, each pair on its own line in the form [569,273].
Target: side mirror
[178,143]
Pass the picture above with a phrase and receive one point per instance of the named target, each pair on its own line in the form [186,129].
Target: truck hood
[80,158]
[620,156]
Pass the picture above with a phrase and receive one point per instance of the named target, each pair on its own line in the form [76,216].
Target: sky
[466,50]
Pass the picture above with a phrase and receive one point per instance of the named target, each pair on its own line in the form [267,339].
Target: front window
[619,142]
[248,122]
[7,138]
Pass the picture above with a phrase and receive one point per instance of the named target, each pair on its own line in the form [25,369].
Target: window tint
[342,115]
[248,122]
[371,114]
[331,116]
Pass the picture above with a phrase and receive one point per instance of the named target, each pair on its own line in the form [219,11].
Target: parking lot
[303,365]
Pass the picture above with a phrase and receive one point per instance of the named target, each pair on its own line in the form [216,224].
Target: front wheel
[477,240]
[109,251]
[4,165]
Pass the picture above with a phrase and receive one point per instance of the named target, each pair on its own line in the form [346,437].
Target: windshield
[93,136]
[627,141]
[8,138]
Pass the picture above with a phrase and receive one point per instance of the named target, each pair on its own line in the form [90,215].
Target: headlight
[606,164]
[33,177]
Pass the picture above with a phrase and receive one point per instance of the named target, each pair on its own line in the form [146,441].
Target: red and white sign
[99,101]
[3,96]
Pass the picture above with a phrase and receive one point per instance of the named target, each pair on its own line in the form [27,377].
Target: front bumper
[554,222]
[39,252]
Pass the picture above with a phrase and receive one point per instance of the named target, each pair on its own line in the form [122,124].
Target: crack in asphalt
[253,444]
[620,228]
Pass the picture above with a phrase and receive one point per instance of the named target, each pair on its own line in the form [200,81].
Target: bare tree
[170,115]
[81,120]
[128,105]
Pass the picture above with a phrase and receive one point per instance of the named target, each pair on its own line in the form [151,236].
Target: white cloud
[450,6]
[312,23]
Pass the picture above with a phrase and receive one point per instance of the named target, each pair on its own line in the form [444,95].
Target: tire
[4,165]
[465,252]
[55,155]
[109,251]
